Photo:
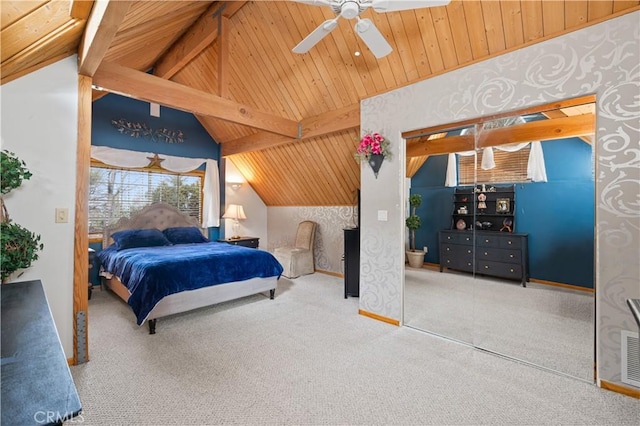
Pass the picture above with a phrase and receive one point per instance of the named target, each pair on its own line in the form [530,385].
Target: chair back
[305,235]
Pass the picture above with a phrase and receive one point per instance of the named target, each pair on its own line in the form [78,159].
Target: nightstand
[242,241]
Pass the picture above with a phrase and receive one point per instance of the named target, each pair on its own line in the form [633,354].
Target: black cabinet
[351,262]
[484,207]
[497,254]
[251,242]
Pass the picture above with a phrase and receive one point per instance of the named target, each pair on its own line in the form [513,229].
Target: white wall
[601,59]
[39,124]
[255,225]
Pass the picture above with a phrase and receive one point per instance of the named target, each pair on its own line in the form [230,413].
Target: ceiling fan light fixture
[349,9]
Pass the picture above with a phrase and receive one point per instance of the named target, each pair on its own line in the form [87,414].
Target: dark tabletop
[37,387]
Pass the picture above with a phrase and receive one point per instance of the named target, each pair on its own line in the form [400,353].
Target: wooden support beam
[319,125]
[201,34]
[543,130]
[149,88]
[331,121]
[102,26]
[425,146]
[81,221]
[80,9]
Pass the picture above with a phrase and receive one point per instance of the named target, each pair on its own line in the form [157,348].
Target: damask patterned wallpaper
[601,59]
[282,223]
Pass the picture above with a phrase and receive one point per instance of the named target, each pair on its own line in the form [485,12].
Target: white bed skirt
[205,296]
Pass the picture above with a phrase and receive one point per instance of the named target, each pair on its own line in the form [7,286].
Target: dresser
[497,254]
[251,242]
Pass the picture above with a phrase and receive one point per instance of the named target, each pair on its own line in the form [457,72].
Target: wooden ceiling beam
[319,125]
[423,146]
[147,87]
[201,34]
[543,130]
[80,9]
[102,26]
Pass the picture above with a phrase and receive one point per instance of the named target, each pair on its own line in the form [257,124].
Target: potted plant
[19,246]
[415,257]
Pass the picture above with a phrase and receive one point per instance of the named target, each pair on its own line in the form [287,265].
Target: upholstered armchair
[298,260]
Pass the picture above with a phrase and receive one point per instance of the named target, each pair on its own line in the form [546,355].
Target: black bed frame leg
[152,326]
[272,293]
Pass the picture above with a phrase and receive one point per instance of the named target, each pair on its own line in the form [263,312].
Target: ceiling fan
[365,28]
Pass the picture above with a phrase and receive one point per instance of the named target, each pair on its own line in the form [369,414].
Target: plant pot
[416,258]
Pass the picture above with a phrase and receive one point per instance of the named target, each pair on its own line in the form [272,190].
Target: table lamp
[235,212]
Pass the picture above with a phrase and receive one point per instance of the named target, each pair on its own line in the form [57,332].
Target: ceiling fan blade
[373,38]
[396,5]
[316,2]
[316,35]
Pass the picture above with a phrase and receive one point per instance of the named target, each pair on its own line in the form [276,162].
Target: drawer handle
[448,261]
[486,241]
[468,238]
[468,263]
[486,254]
[511,269]
[447,248]
[469,251]
[511,256]
[448,238]
[509,242]
[486,267]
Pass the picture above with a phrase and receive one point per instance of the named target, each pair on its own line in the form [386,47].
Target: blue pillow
[185,235]
[132,238]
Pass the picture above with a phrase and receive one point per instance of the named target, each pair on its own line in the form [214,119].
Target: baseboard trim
[379,317]
[568,286]
[334,274]
[615,387]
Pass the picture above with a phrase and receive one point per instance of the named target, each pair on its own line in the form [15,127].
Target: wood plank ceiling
[237,55]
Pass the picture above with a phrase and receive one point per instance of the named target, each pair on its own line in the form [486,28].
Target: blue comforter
[151,273]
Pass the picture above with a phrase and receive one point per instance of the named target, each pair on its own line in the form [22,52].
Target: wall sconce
[235,185]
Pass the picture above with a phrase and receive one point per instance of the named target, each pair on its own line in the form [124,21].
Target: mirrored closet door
[516,250]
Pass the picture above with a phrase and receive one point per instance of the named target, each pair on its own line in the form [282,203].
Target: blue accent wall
[197,142]
[558,215]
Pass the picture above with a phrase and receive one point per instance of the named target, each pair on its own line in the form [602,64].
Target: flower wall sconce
[373,148]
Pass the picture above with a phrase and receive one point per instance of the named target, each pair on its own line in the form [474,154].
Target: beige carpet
[308,358]
[548,326]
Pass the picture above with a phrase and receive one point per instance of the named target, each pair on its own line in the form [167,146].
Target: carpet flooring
[308,358]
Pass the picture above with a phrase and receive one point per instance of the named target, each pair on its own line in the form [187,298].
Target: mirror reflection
[508,222]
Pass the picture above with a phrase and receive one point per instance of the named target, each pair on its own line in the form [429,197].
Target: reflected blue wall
[197,144]
[558,215]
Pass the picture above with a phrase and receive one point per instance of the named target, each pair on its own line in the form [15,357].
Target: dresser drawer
[499,255]
[498,269]
[456,237]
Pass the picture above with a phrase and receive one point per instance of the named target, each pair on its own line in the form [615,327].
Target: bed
[160,263]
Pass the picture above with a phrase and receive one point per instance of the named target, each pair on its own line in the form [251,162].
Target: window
[510,167]
[116,193]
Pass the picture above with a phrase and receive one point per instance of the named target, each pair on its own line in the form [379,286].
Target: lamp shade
[234,211]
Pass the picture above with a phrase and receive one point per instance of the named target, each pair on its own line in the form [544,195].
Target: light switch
[62,215]
[382,215]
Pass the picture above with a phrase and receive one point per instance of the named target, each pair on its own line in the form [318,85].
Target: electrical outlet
[425,249]
[62,215]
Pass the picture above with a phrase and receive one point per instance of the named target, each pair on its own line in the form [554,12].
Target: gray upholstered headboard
[159,215]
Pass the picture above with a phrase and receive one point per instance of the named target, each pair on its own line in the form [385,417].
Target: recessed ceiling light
[357,53]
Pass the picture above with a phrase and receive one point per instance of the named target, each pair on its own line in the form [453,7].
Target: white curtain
[536,170]
[130,159]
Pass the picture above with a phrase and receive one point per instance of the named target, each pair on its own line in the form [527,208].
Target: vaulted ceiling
[289,122]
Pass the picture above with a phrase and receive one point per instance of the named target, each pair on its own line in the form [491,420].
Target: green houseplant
[413,222]
[19,245]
